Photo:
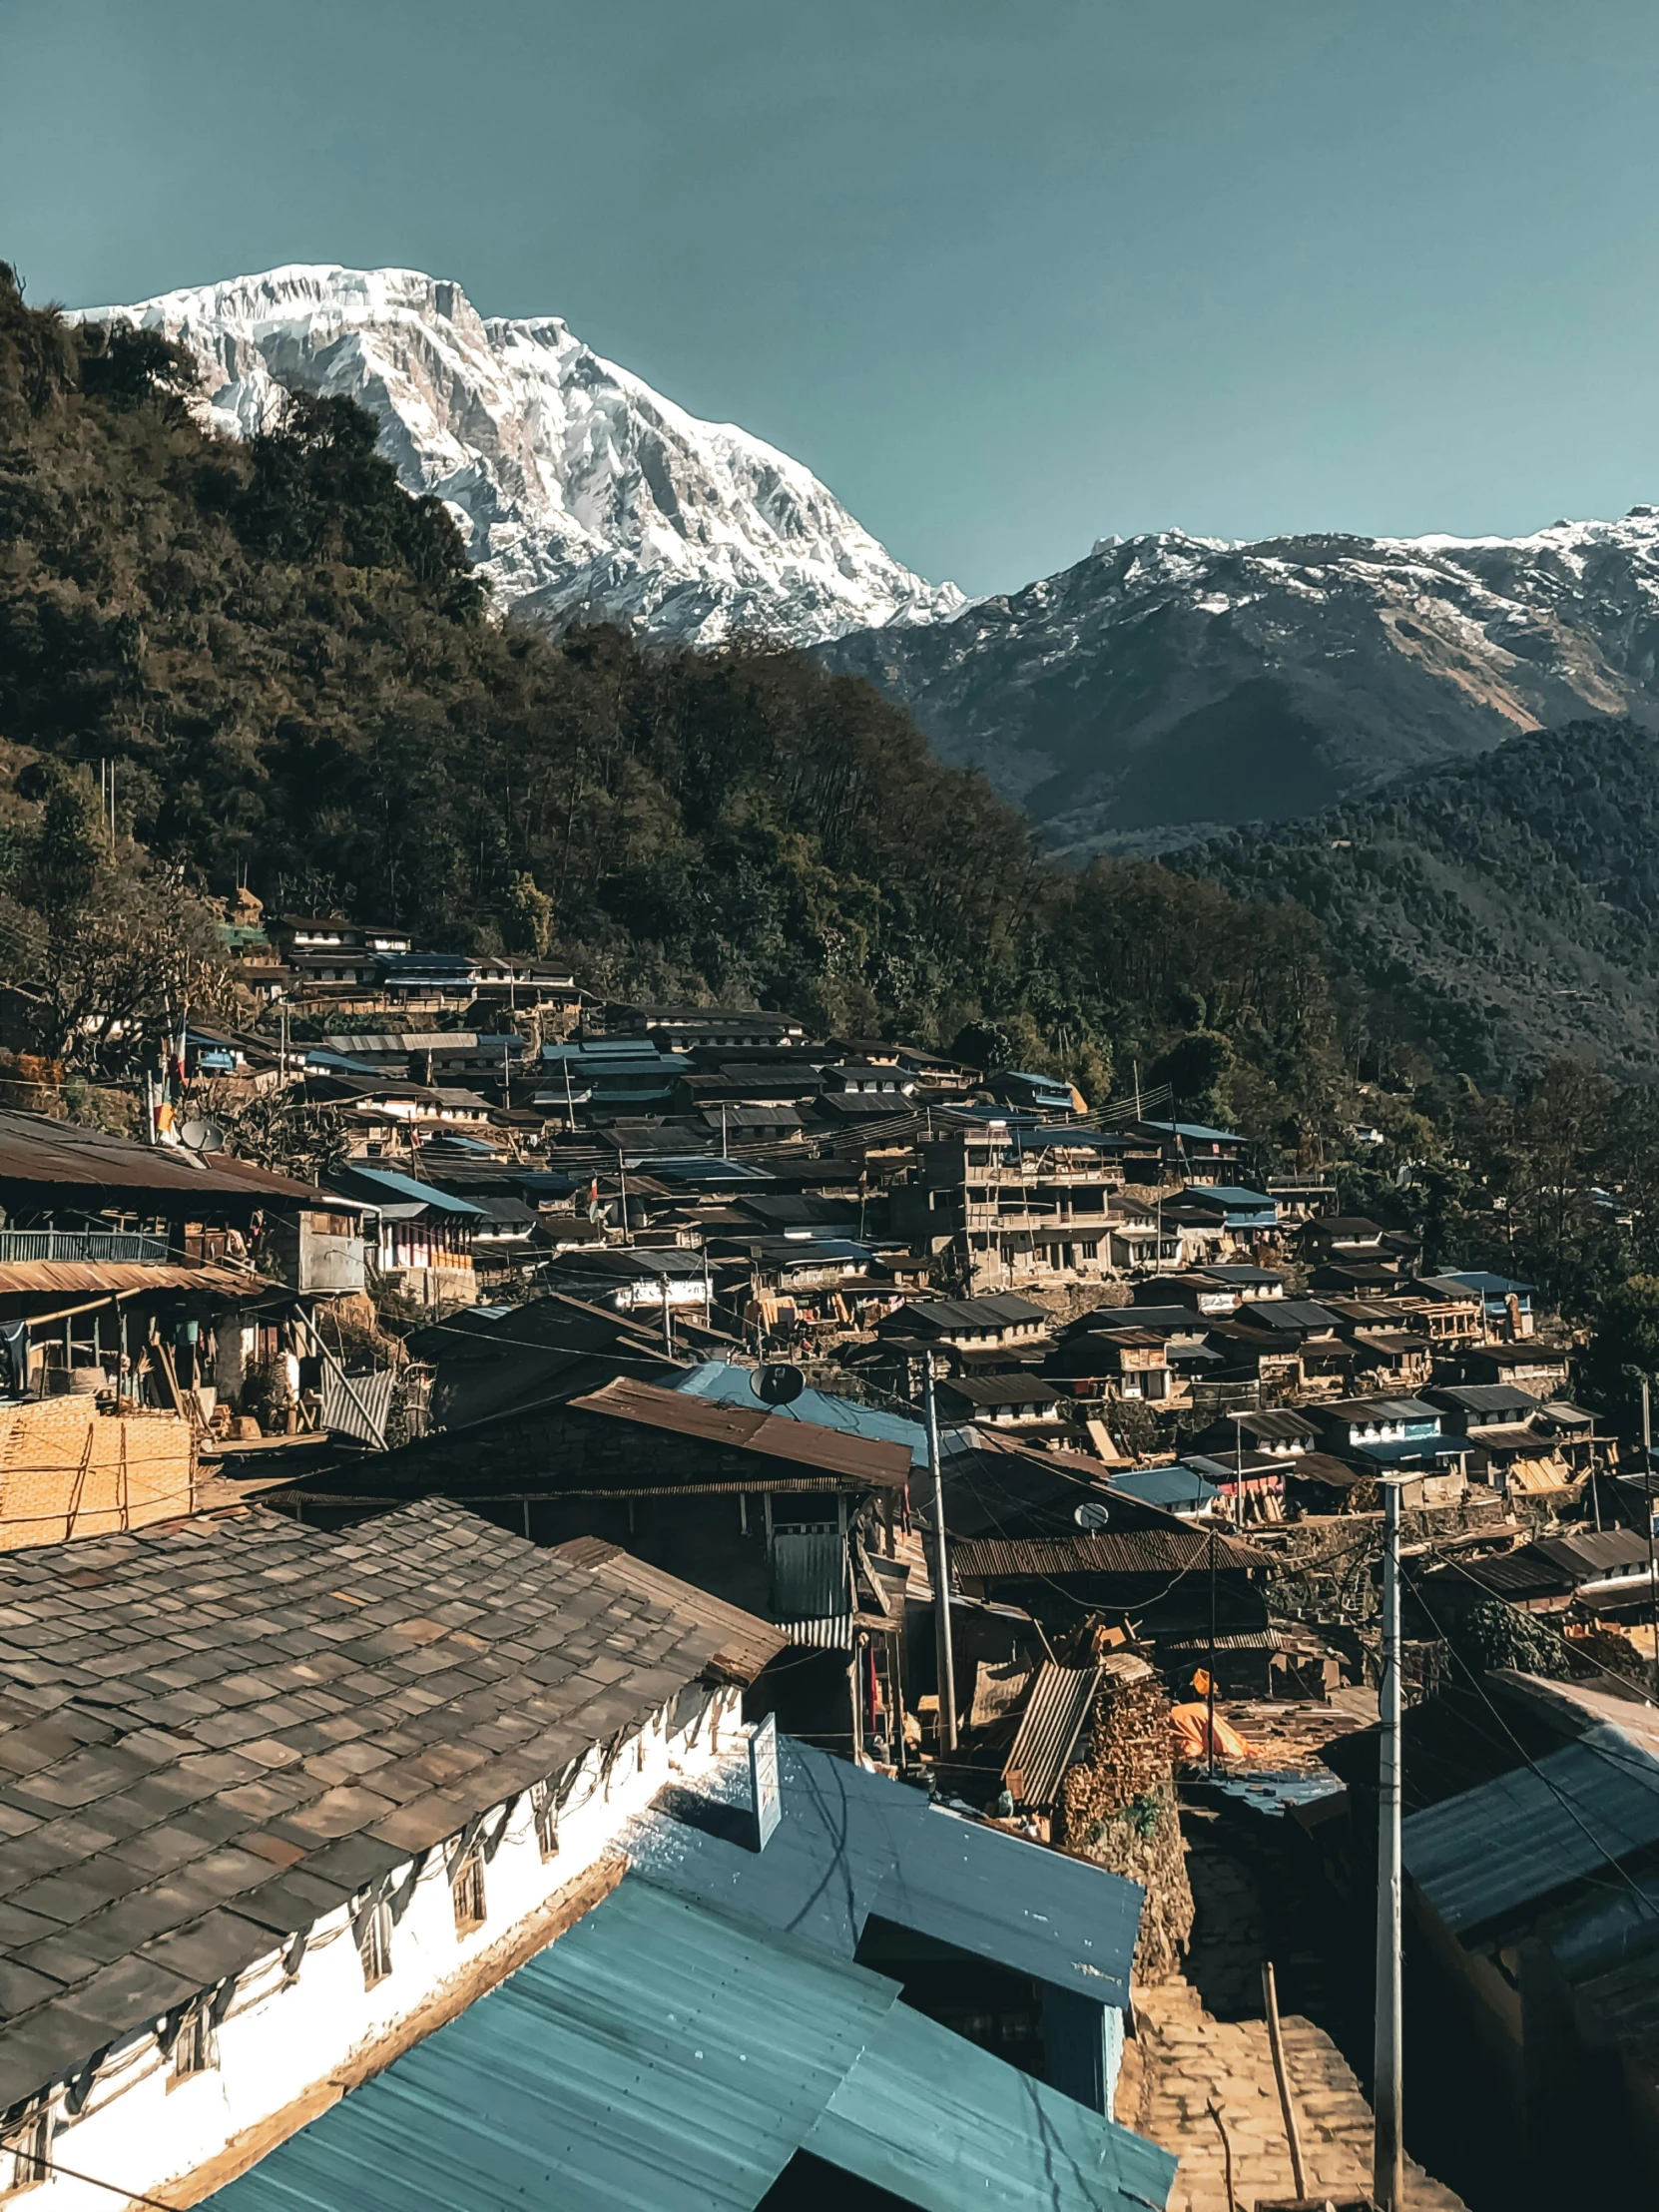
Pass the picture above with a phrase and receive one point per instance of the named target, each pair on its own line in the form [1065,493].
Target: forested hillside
[301,687]
[1506,911]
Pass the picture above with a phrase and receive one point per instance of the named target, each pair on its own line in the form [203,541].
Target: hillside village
[495,1479]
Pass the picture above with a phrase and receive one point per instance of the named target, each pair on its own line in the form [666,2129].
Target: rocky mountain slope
[1171,682]
[579,489]
[1506,909]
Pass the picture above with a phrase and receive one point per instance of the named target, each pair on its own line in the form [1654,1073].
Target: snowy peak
[579,489]
[1166,684]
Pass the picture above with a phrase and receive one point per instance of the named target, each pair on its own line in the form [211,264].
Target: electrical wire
[1580,1657]
[1651,1774]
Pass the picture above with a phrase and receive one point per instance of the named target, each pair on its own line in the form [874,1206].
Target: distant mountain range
[1164,688]
[1506,911]
[581,492]
[1170,681]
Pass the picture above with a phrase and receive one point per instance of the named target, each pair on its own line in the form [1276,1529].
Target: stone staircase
[1182,2060]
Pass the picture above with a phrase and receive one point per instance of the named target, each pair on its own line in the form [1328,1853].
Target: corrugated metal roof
[405,1188]
[1056,1713]
[721,1381]
[666,2055]
[861,1458]
[1001,1390]
[1000,1312]
[119,1277]
[36,1149]
[1493,1850]
[1172,1487]
[936,2121]
[851,1844]
[1092,1551]
[662,2054]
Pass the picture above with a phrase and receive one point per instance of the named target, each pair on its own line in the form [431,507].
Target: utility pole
[1647,1502]
[1388,2163]
[941,1577]
[1210,1670]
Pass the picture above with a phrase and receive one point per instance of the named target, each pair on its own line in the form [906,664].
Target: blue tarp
[665,2056]
[851,1844]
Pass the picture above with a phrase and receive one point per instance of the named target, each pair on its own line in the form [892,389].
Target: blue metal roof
[851,1844]
[1181,1485]
[731,1386]
[1194,1129]
[1495,1285]
[1503,1846]
[405,1187]
[667,2056]
[939,2122]
[1028,1139]
[1401,1450]
[661,2056]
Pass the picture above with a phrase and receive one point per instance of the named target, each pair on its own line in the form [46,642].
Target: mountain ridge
[1503,909]
[579,490]
[1170,682]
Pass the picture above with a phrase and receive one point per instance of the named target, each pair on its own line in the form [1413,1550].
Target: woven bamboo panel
[66,1470]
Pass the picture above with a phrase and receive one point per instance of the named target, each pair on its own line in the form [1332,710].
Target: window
[25,2148]
[546,1809]
[1090,1250]
[374,1942]
[195,2047]
[467,1889]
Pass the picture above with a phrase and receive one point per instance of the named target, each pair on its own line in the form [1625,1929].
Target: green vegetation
[1504,912]
[300,688]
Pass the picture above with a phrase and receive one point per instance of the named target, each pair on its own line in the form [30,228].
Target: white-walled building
[276,1802]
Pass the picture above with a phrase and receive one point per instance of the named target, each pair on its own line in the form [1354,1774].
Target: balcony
[104,1245]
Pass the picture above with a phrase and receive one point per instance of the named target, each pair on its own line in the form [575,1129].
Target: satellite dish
[203,1136]
[779,1384]
[1093,1512]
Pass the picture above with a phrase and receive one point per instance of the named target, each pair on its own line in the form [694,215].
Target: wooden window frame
[375,1943]
[467,1890]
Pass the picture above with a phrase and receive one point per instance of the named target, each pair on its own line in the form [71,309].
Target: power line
[1647,1904]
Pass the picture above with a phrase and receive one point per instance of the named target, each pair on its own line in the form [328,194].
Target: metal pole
[941,1577]
[1388,2165]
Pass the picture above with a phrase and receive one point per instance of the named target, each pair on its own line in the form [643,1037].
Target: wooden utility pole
[1281,2075]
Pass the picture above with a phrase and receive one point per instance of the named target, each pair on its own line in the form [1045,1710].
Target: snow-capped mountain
[579,489]
[1169,682]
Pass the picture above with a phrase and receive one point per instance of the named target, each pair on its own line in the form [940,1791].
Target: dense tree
[294,672]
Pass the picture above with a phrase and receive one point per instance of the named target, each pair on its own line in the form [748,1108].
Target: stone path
[1182,2060]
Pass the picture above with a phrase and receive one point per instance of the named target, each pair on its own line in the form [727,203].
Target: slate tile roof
[213,1732]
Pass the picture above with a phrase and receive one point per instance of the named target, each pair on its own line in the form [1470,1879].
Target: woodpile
[1117,1807]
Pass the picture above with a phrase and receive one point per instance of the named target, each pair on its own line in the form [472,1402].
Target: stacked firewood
[1117,1807]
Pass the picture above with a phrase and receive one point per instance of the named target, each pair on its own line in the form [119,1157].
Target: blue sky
[1009,274]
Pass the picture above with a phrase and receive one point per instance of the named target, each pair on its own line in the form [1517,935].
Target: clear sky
[1009,274]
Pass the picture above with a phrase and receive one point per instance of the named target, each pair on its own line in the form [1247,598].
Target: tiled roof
[211,1733]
